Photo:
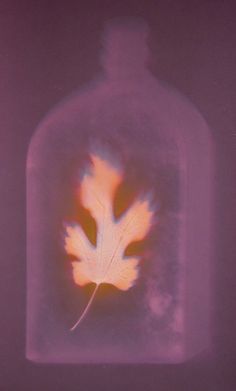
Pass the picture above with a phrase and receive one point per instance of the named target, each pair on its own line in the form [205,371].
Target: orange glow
[107,242]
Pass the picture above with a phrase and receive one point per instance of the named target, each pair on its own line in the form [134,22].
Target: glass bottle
[163,145]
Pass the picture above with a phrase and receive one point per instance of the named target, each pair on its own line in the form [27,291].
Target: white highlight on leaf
[106,262]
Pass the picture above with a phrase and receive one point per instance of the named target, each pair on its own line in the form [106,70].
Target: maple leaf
[105,262]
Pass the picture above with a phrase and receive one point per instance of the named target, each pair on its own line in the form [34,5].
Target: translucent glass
[163,146]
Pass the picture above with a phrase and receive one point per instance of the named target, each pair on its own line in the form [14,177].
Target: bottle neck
[125,54]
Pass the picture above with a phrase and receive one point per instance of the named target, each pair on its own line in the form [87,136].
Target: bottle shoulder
[145,99]
[148,91]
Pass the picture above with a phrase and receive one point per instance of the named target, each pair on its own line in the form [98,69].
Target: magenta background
[47,49]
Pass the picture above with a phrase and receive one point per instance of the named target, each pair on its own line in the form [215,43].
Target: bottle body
[163,145]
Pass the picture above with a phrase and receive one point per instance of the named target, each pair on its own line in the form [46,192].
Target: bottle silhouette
[163,145]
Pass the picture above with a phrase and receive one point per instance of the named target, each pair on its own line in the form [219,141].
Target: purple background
[47,49]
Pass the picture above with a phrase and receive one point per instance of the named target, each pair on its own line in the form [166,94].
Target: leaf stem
[84,313]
